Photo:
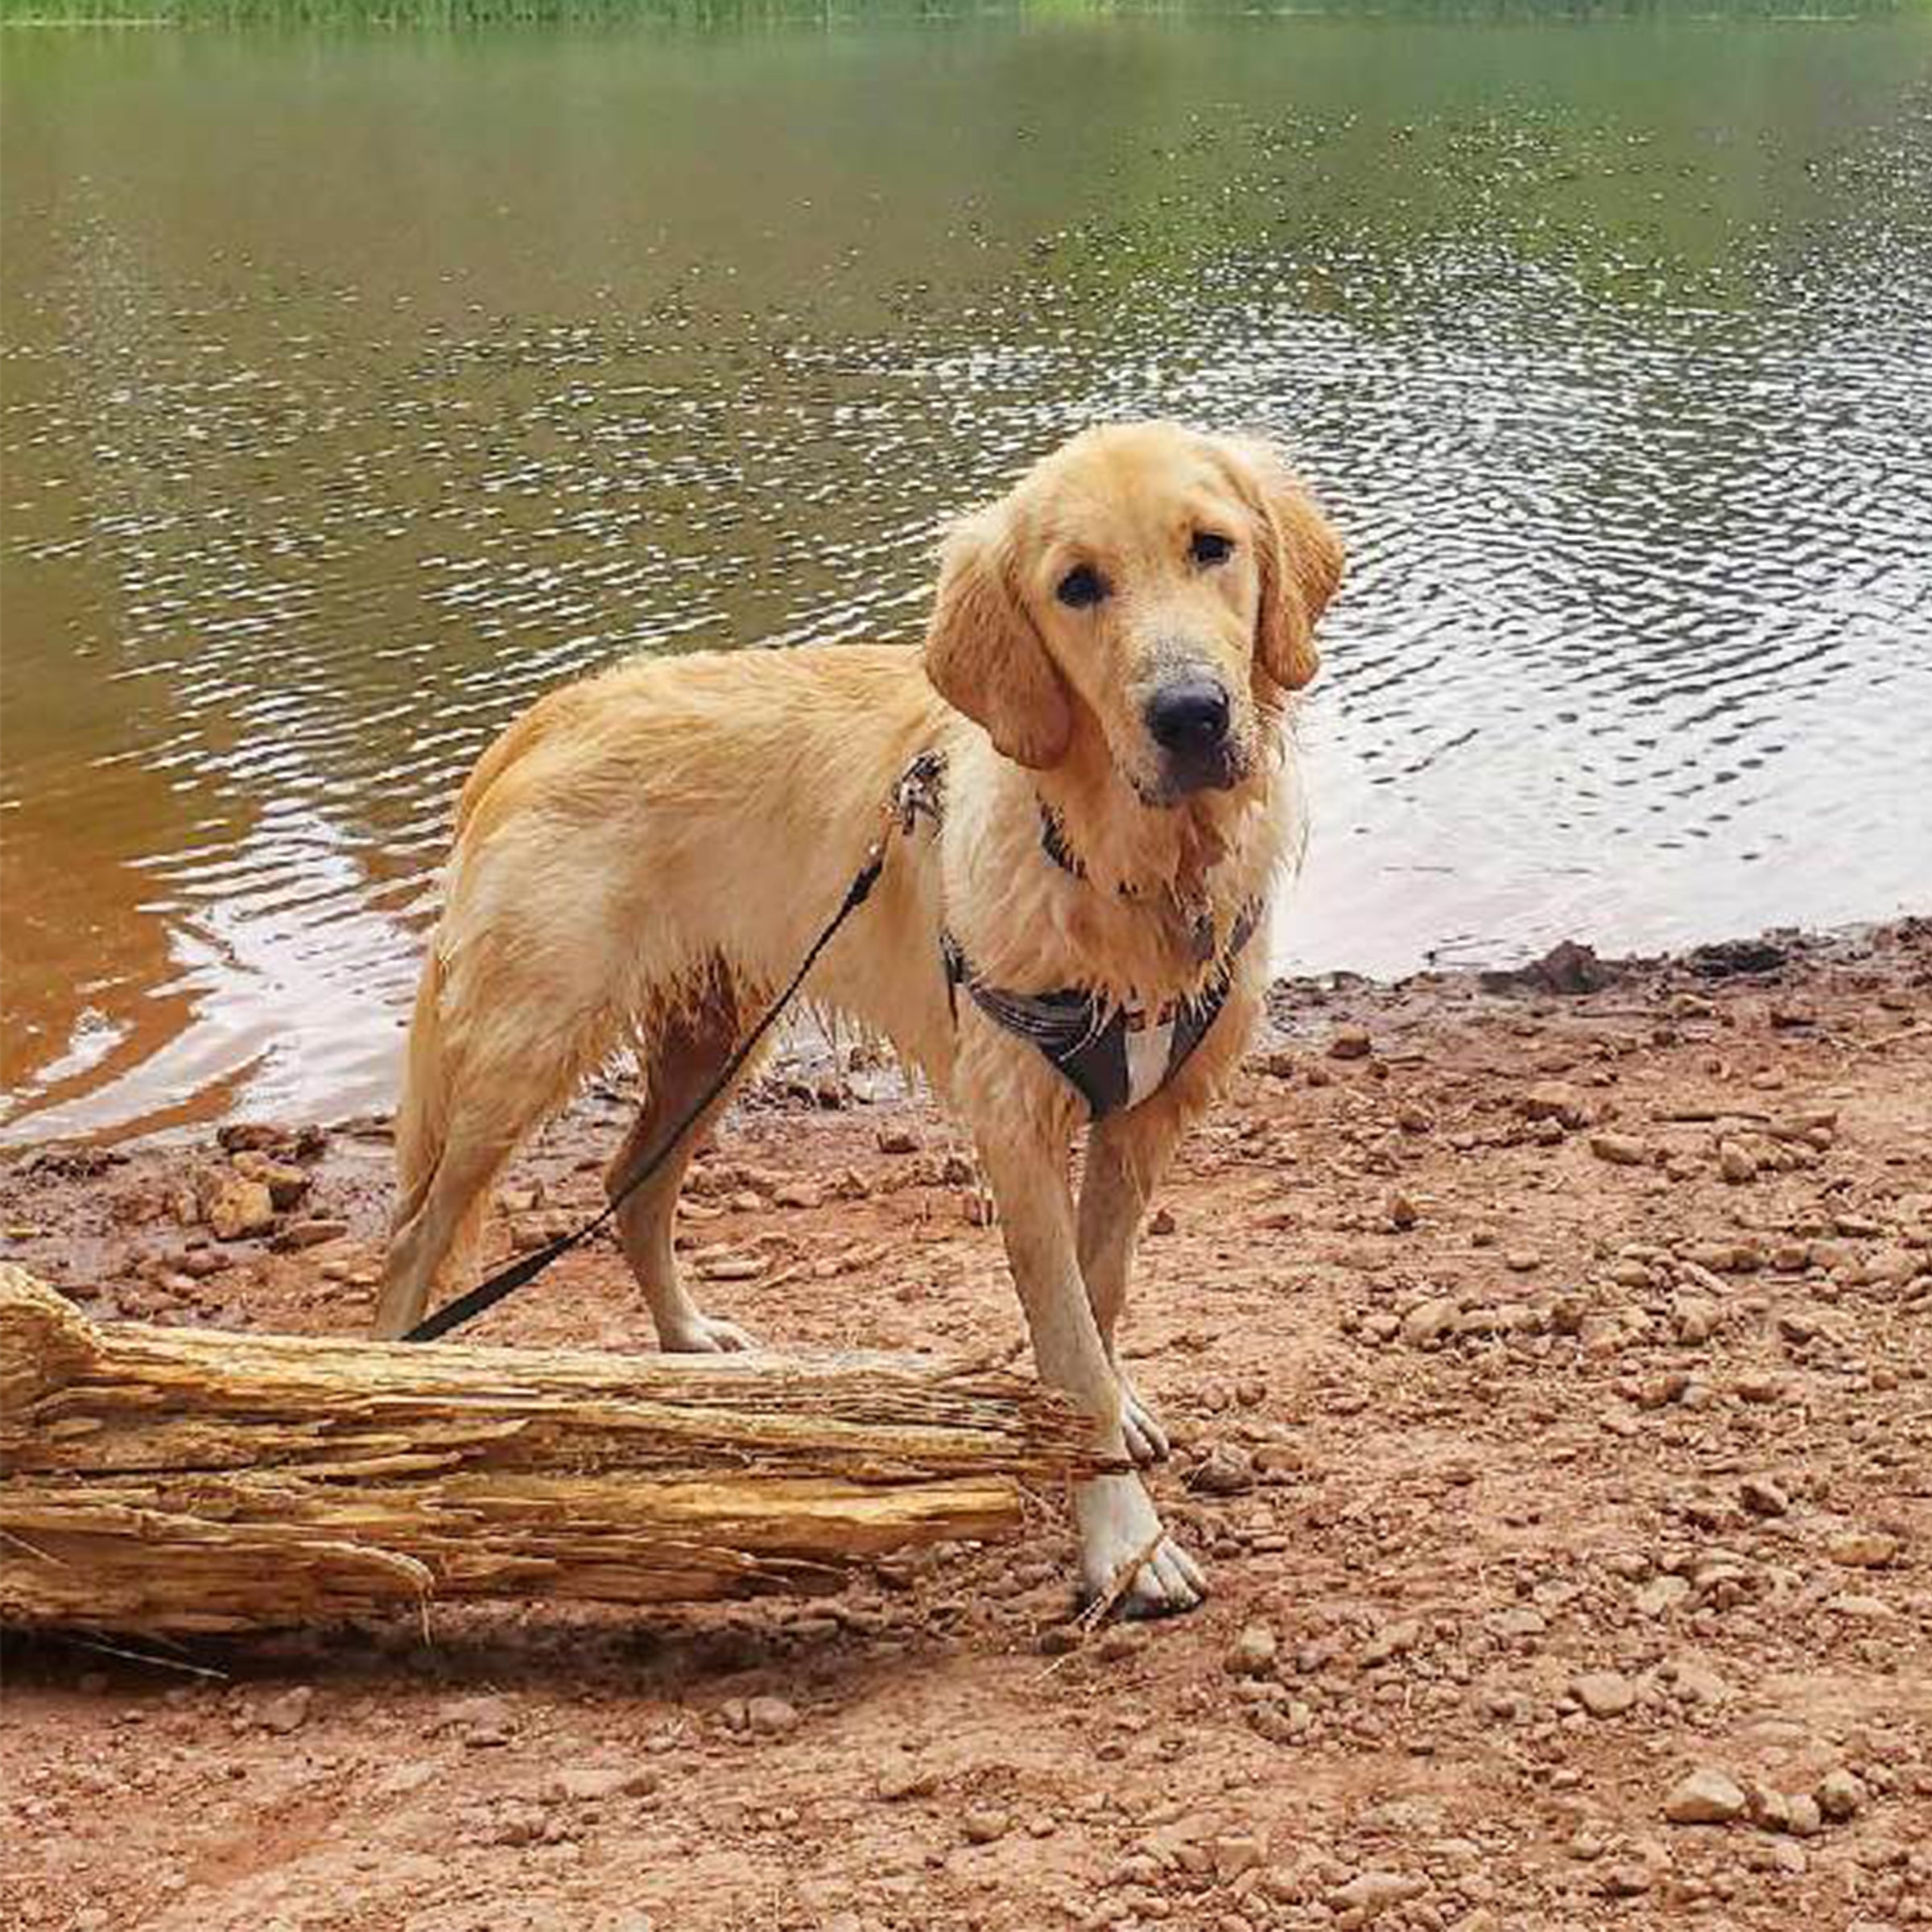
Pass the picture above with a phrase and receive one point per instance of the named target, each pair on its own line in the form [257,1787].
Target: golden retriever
[643,858]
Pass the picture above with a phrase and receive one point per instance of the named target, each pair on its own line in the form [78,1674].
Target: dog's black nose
[1189,714]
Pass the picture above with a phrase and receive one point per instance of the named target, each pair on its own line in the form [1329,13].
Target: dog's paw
[705,1335]
[1146,1440]
[1170,1581]
[1121,1537]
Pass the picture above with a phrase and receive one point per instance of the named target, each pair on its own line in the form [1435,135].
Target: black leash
[466,1308]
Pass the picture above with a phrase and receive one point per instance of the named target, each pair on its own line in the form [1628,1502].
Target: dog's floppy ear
[1300,563]
[985,657]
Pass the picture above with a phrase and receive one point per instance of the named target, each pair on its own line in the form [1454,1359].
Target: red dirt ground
[1537,1470]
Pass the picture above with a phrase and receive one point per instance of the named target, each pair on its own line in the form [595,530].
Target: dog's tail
[423,1113]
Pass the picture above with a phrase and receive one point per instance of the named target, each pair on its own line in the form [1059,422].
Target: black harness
[1115,1056]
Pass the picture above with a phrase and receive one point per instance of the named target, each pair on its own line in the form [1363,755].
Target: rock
[1762,1496]
[1863,1549]
[588,1783]
[1392,1641]
[1840,1795]
[1736,1164]
[1412,1119]
[771,1716]
[286,1713]
[1226,1469]
[1516,1623]
[912,1779]
[1802,1818]
[1620,1149]
[1428,1321]
[1568,966]
[797,1194]
[1626,1880]
[1350,1043]
[1691,1683]
[1253,1652]
[1234,1853]
[1161,1221]
[1554,1101]
[286,1183]
[1707,1797]
[1375,1891]
[234,1206]
[309,1234]
[1119,1641]
[479,1722]
[1402,1210]
[1603,1692]
[985,1823]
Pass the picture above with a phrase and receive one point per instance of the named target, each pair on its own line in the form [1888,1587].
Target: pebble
[1375,1890]
[310,1234]
[912,1779]
[286,1713]
[1236,1852]
[233,1206]
[772,1716]
[1428,1321]
[1802,1818]
[985,1823]
[1224,1470]
[1736,1164]
[1625,1881]
[1350,1043]
[1840,1795]
[586,1784]
[480,1721]
[1402,1210]
[1762,1496]
[1554,1101]
[1253,1652]
[286,1183]
[1863,1549]
[1705,1797]
[1392,1641]
[1620,1149]
[1603,1692]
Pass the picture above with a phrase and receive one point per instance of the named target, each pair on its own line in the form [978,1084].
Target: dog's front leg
[1120,1533]
[1128,1154]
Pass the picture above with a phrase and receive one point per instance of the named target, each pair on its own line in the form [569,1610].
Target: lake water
[358,387]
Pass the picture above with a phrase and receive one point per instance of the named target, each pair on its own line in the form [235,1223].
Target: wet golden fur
[644,856]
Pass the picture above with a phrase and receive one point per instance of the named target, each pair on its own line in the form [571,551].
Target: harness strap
[1115,1057]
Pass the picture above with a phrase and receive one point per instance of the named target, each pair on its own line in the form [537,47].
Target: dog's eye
[1082,586]
[1209,547]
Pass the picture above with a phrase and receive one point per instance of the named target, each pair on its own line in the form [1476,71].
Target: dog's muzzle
[1190,718]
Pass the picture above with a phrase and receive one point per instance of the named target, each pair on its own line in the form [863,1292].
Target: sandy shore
[1550,1370]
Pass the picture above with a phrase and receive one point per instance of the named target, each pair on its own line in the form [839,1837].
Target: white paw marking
[705,1334]
[1119,1529]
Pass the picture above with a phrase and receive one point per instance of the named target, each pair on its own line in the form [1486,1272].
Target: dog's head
[1162,584]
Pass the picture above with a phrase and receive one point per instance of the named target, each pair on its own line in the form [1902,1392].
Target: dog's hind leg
[473,1092]
[679,1057]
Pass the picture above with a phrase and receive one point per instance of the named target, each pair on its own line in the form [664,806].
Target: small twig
[1117,1586]
[146,1657]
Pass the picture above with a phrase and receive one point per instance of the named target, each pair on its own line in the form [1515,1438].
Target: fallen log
[175,1480]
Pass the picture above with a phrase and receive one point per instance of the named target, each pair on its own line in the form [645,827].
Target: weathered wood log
[175,1480]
